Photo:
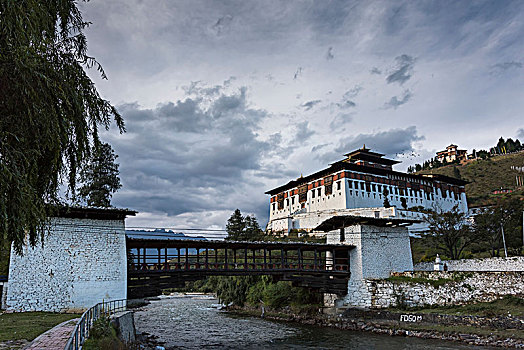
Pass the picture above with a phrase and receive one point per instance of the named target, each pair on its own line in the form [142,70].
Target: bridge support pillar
[379,250]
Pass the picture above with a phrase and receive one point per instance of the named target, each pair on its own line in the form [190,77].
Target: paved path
[55,338]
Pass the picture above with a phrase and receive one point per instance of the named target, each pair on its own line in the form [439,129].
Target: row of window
[364,186]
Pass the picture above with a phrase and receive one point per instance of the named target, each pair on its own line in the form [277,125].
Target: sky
[225,100]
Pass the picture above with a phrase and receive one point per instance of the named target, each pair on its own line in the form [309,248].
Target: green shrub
[277,295]
[102,336]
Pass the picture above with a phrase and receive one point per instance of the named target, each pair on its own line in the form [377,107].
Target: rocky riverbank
[499,331]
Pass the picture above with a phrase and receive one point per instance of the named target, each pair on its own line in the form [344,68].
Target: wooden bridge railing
[161,256]
[155,264]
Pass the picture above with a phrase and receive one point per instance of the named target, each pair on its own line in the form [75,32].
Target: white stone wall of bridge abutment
[81,262]
[378,252]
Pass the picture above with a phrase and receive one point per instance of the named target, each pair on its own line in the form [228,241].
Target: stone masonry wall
[414,289]
[515,263]
[82,262]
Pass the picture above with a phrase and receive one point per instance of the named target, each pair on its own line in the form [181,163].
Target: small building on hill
[451,153]
[361,184]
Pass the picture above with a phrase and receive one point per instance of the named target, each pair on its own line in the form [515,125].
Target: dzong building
[359,185]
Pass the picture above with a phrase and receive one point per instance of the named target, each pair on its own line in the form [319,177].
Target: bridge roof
[341,221]
[99,213]
[179,243]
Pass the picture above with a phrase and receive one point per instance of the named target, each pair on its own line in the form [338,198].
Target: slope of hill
[485,176]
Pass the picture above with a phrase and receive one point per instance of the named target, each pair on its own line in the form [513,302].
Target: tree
[50,111]
[253,232]
[505,214]
[403,203]
[100,177]
[235,226]
[241,228]
[450,230]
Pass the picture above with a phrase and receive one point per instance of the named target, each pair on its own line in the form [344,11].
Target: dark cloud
[297,73]
[329,54]
[395,102]
[396,19]
[504,66]
[193,155]
[222,24]
[340,120]
[346,104]
[352,93]
[310,104]
[388,142]
[318,147]
[402,71]
[375,70]
[303,132]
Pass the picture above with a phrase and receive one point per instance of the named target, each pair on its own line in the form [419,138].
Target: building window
[374,187]
[338,185]
[280,199]
[273,206]
[350,184]
[293,200]
[350,192]
[287,202]
[328,185]
[319,192]
[379,188]
[362,186]
[302,194]
[312,193]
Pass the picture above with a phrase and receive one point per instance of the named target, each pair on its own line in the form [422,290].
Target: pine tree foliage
[235,226]
[50,110]
[240,228]
[100,177]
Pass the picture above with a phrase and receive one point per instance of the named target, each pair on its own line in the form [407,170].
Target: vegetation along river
[192,322]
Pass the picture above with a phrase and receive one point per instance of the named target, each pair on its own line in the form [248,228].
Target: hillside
[485,176]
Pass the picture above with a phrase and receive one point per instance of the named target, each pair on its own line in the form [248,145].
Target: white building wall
[378,252]
[82,262]
[353,194]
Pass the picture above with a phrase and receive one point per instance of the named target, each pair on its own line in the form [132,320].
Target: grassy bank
[29,325]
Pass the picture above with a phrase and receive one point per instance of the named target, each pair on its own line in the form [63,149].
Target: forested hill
[486,175]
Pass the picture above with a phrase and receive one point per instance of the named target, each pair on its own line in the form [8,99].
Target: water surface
[193,322]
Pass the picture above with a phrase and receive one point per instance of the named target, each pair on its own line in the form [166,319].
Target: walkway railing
[82,328]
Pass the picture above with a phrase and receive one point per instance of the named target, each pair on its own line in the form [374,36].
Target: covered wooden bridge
[156,264]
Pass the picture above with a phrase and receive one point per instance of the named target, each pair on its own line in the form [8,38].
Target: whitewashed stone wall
[82,262]
[515,263]
[462,287]
[378,252]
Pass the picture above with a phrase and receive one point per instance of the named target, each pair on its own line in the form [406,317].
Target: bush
[277,295]
[103,336]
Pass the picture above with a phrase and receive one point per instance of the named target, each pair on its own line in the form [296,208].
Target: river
[194,322]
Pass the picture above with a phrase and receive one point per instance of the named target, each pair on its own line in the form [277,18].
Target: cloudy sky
[224,100]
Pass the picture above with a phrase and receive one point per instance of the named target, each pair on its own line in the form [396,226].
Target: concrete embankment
[499,331]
